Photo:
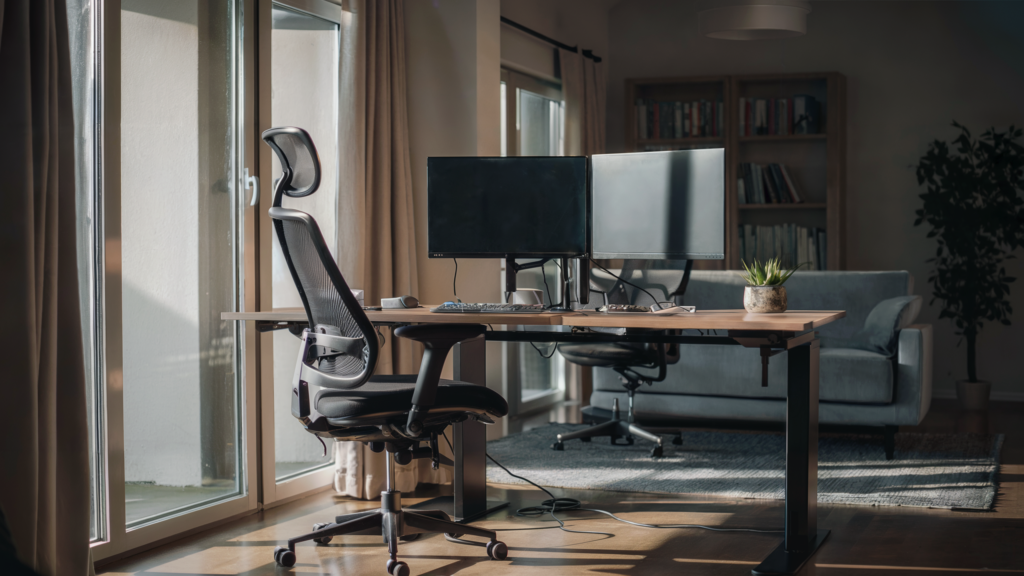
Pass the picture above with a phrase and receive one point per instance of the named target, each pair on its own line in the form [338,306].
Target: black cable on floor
[554,504]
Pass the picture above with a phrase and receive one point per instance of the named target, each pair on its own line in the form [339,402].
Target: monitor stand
[512,268]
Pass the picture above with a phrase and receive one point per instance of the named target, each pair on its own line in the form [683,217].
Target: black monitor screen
[659,205]
[506,207]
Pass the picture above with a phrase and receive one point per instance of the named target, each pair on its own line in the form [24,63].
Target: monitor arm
[512,268]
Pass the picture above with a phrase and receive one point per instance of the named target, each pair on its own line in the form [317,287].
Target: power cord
[555,504]
[553,348]
[624,281]
[455,292]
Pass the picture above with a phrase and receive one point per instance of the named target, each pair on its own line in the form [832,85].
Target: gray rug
[930,470]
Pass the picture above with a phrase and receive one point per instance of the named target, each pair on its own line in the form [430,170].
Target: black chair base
[396,525]
[616,428]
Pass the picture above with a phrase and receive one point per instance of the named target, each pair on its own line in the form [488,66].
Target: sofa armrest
[914,373]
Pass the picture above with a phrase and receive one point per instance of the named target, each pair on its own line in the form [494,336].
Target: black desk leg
[469,501]
[802,535]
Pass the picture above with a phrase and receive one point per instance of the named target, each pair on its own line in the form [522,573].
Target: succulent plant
[768,273]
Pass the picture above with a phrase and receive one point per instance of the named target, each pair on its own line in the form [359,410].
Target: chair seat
[383,393]
[600,354]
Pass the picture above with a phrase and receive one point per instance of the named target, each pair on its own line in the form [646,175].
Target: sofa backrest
[855,292]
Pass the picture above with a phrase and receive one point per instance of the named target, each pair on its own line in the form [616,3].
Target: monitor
[518,207]
[659,205]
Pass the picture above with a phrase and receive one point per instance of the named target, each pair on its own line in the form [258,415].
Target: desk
[790,332]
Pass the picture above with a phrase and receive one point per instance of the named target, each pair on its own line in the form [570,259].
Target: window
[305,53]
[532,125]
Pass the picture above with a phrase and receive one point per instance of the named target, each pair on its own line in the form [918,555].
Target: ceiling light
[753,19]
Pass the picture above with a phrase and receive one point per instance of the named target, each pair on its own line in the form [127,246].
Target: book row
[793,245]
[800,114]
[665,120]
[766,184]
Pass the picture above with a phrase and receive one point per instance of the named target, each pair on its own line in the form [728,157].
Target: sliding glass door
[162,124]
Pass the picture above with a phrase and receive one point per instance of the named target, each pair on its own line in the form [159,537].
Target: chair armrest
[437,340]
[914,373]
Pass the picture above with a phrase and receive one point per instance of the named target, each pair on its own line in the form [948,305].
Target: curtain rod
[549,40]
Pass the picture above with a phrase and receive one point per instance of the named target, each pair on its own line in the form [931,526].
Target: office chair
[625,358]
[338,353]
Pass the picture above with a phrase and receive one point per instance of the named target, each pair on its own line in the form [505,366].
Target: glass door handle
[254,183]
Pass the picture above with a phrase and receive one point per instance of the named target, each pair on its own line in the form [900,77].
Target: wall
[454,109]
[582,23]
[912,67]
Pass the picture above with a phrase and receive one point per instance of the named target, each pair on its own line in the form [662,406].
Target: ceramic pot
[764,299]
[973,396]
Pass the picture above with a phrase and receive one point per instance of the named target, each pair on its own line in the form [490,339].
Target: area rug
[930,470]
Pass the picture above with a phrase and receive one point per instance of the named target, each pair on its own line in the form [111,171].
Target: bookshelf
[816,162]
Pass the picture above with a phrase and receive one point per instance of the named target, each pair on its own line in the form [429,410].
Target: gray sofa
[857,387]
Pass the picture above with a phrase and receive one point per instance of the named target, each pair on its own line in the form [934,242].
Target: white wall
[159,231]
[912,68]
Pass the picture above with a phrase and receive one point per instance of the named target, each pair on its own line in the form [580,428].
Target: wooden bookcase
[817,162]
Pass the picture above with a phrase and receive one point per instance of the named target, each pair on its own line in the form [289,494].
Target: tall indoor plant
[973,204]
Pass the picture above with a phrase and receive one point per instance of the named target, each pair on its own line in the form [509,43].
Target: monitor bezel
[523,255]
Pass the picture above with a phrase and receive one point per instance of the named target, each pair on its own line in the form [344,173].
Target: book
[789,184]
[792,244]
[641,119]
[678,119]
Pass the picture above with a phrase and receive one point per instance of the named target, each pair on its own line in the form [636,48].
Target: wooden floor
[865,540]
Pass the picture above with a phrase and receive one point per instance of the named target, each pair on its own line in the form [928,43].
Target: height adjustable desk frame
[791,333]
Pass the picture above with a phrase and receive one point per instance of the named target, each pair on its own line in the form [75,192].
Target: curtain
[376,231]
[44,479]
[584,89]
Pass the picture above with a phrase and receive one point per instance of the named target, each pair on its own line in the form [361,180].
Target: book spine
[656,123]
[742,117]
[789,183]
[687,127]
[650,118]
[641,119]
[678,116]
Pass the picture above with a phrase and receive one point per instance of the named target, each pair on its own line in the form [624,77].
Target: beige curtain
[44,479]
[584,89]
[376,233]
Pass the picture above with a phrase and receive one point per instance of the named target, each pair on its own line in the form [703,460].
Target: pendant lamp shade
[753,19]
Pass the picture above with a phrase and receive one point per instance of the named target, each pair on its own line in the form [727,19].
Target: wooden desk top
[792,321]
[422,314]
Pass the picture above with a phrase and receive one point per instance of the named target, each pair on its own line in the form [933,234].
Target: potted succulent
[973,204]
[764,292]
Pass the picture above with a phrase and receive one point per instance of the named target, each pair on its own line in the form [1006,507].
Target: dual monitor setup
[645,206]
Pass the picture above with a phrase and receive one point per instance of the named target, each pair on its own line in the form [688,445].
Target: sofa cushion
[882,326]
[845,375]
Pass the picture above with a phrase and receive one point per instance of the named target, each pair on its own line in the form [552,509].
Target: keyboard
[465,307]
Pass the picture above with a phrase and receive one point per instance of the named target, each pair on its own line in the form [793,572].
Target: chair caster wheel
[558,446]
[658,452]
[398,568]
[678,440]
[497,550]
[326,539]
[409,537]
[584,439]
[284,557]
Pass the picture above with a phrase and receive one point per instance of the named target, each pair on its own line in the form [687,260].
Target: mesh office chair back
[330,306]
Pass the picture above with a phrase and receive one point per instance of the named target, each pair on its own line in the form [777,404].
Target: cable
[554,504]
[546,507]
[553,348]
[544,275]
[623,280]
[454,278]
